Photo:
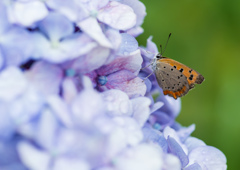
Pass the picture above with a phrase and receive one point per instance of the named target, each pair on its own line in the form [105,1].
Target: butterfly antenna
[161,49]
[166,44]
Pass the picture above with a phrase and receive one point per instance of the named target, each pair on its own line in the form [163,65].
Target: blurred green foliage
[205,37]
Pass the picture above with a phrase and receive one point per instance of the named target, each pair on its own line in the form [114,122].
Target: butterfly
[175,78]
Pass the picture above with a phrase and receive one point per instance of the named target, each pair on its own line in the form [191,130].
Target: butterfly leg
[146,66]
[147,77]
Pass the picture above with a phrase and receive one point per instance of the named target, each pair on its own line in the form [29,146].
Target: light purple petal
[132,63]
[171,106]
[163,119]
[94,5]
[7,126]
[16,46]
[151,50]
[93,76]
[156,106]
[12,83]
[45,77]
[141,157]
[147,81]
[193,143]
[63,51]
[46,129]
[106,168]
[91,27]
[132,130]
[171,162]
[86,83]
[8,149]
[27,13]
[93,60]
[38,160]
[115,79]
[70,163]
[141,109]
[85,109]
[117,103]
[155,136]
[135,31]
[56,26]
[184,132]
[194,166]
[129,44]
[114,37]
[176,149]
[138,8]
[72,10]
[76,45]
[118,16]
[4,23]
[151,46]
[69,90]
[61,110]
[1,59]
[134,87]
[208,157]
[117,141]
[26,106]
[125,81]
[169,132]
[120,132]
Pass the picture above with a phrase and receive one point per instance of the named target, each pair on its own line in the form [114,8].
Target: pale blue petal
[208,157]
[12,83]
[56,26]
[73,10]
[140,157]
[93,60]
[138,8]
[4,23]
[118,16]
[128,44]
[61,110]
[131,63]
[185,132]
[193,143]
[45,77]
[85,109]
[27,13]
[117,103]
[37,160]
[152,135]
[194,166]
[71,164]
[141,109]
[7,126]
[135,31]
[91,27]
[16,46]
[176,149]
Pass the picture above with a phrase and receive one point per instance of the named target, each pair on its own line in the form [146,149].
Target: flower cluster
[72,95]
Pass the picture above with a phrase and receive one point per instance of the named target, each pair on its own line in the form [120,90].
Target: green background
[205,37]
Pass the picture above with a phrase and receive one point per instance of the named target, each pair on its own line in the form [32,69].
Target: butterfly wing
[175,78]
[193,76]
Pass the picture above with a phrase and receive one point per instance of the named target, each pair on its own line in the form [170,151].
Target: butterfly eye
[158,56]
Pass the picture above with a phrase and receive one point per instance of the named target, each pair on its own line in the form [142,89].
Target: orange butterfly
[175,78]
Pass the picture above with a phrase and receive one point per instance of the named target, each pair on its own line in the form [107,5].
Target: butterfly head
[159,56]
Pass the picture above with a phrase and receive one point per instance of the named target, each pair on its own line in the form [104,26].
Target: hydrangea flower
[72,94]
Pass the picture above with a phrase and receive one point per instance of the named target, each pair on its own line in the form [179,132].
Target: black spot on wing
[181,70]
[191,77]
